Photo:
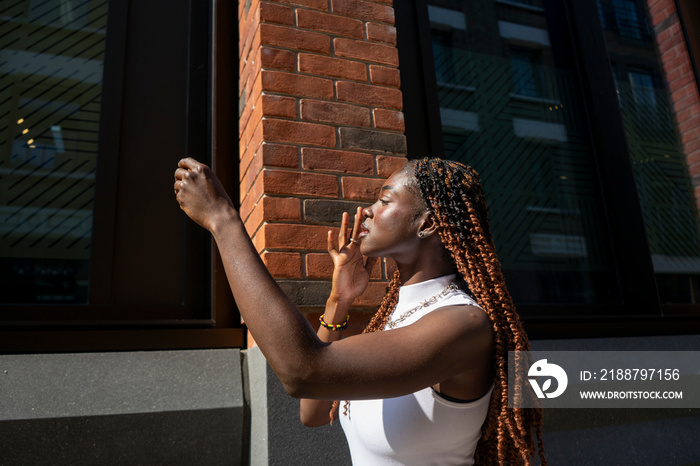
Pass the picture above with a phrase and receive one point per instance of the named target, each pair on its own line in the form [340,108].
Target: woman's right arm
[368,366]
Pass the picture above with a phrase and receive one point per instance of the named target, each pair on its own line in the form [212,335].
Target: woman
[421,390]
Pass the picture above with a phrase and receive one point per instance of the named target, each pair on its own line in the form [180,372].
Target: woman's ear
[428,226]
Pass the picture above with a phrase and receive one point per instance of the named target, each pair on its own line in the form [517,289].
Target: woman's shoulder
[460,296]
[469,315]
[462,321]
[459,328]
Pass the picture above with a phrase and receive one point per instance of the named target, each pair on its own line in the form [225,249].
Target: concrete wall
[160,407]
[277,437]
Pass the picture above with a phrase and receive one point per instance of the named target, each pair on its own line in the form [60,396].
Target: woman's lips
[363,231]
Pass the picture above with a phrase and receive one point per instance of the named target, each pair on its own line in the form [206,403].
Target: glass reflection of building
[510,106]
[51,58]
[659,163]
[510,112]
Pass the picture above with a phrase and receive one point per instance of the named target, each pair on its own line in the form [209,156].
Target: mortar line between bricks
[334,79]
[314,172]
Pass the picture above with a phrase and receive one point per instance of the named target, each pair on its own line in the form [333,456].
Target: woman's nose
[367,212]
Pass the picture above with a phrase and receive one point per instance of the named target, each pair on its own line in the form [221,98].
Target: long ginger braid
[452,191]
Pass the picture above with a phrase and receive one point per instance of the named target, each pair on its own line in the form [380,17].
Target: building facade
[580,116]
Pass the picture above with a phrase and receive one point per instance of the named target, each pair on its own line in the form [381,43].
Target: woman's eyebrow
[387,187]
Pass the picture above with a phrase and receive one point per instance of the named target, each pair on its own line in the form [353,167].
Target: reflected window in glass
[52,74]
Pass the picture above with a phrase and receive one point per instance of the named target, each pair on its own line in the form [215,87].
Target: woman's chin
[366,249]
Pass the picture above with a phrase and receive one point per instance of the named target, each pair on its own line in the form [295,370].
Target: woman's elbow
[294,388]
[297,384]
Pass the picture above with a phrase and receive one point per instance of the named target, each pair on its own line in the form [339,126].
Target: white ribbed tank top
[421,428]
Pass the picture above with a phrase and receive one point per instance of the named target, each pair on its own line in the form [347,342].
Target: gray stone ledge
[159,407]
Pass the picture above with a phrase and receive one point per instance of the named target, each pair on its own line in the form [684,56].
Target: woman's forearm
[299,358]
[283,334]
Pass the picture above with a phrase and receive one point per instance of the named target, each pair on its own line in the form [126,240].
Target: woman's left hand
[351,270]
[201,195]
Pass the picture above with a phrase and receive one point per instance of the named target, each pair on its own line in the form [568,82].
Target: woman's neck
[424,270]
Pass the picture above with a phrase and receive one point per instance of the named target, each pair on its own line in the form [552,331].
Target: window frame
[119,326]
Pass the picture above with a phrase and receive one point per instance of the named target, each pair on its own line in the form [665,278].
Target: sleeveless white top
[422,428]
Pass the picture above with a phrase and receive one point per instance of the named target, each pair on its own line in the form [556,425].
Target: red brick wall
[320,128]
[681,81]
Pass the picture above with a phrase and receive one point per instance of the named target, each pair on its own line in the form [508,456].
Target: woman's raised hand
[351,271]
[201,194]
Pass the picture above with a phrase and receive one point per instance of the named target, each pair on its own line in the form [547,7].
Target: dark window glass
[90,233]
[447,69]
[513,111]
[527,74]
[532,3]
[51,64]
[99,256]
[626,18]
[659,163]
[629,19]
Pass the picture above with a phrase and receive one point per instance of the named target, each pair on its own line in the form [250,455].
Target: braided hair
[453,193]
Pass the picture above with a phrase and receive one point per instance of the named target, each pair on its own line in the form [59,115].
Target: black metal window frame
[640,312]
[129,307]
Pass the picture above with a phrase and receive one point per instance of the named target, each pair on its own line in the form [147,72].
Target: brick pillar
[320,128]
[681,82]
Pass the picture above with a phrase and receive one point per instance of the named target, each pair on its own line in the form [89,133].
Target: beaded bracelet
[334,327]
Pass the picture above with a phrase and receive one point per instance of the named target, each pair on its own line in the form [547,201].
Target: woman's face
[390,226]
